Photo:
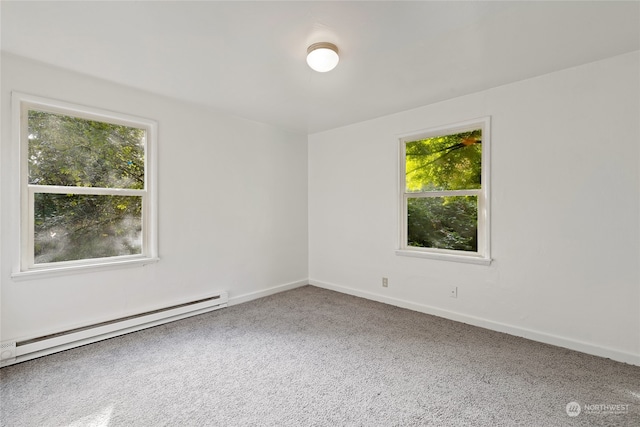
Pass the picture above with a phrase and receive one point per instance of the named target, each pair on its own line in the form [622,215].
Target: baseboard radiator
[12,352]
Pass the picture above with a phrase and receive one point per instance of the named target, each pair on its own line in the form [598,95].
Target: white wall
[232,210]
[565,202]
[565,205]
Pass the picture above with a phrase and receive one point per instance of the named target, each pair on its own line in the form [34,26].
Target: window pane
[70,151]
[443,222]
[73,227]
[448,162]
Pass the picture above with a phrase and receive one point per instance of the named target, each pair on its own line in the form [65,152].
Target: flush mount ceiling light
[322,57]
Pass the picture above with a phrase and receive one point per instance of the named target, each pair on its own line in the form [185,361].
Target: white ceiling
[248,58]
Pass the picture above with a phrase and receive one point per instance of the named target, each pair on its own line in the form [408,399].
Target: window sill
[42,273]
[469,259]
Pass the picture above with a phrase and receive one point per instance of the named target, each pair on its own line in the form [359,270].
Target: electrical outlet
[385,282]
[453,291]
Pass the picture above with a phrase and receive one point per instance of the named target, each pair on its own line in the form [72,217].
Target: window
[86,186]
[445,193]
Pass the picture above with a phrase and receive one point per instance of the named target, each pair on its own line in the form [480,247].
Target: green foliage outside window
[443,163]
[74,152]
[71,151]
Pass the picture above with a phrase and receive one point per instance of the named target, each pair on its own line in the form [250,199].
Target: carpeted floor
[312,357]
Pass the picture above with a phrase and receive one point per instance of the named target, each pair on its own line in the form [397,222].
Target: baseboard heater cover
[12,352]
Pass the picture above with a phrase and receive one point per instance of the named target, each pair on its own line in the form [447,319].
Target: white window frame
[483,255]
[24,265]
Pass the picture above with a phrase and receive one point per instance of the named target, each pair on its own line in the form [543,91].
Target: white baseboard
[581,346]
[239,299]
[27,349]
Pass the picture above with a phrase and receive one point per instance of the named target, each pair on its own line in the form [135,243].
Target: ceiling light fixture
[322,57]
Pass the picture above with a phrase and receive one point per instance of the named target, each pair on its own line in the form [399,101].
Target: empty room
[319,213]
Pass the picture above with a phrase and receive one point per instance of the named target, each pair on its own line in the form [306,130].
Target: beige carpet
[312,357]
